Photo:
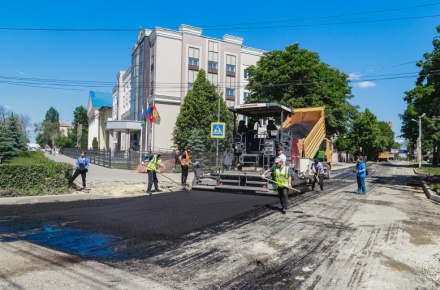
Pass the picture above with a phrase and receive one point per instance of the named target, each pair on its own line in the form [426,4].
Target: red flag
[155,117]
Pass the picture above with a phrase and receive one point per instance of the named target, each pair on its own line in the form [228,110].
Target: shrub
[33,174]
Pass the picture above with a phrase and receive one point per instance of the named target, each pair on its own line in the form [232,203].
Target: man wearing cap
[318,174]
[152,167]
[185,161]
[282,175]
[281,154]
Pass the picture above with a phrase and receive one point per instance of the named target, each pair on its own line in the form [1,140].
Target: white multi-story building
[164,67]
[121,128]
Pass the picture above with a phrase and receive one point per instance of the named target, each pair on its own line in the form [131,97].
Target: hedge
[43,177]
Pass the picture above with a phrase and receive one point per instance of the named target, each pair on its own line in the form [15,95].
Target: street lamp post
[419,141]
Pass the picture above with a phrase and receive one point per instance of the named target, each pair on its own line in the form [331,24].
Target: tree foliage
[297,78]
[48,129]
[6,144]
[16,133]
[424,98]
[199,109]
[80,117]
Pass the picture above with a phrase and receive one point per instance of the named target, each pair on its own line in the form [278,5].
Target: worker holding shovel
[283,179]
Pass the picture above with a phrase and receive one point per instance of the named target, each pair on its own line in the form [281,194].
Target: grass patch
[434,178]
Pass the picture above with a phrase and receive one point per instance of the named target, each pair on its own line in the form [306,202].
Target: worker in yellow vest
[282,176]
[185,161]
[152,168]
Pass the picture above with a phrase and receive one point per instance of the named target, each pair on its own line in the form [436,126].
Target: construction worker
[152,168]
[318,174]
[185,161]
[281,154]
[282,176]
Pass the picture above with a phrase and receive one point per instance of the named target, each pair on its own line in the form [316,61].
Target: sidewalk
[122,182]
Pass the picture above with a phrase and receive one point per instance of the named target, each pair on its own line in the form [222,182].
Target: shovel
[270,180]
[173,181]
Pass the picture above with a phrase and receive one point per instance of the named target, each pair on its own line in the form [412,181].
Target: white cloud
[365,85]
[354,76]
[20,73]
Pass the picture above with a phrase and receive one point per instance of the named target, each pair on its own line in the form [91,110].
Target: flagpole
[152,129]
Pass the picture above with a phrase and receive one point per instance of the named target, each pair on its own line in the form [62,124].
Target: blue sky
[379,49]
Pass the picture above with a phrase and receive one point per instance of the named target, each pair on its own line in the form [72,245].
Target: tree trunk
[435,155]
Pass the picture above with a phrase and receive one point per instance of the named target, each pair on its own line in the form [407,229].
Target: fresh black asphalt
[157,217]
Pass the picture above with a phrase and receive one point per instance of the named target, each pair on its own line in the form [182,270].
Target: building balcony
[193,67]
[212,70]
[230,74]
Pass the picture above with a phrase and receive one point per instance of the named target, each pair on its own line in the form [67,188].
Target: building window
[213,78]
[212,67]
[192,75]
[152,87]
[212,57]
[245,95]
[193,58]
[246,74]
[230,94]
[230,65]
[193,61]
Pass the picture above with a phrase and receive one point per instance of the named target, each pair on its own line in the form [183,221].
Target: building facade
[164,66]
[99,112]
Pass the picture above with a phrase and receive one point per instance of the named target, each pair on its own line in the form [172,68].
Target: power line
[231,26]
[322,17]
[330,23]
[182,87]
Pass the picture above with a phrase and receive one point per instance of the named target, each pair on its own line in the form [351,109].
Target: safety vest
[153,163]
[187,158]
[281,177]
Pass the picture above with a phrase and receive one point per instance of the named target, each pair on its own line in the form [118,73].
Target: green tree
[365,135]
[6,144]
[195,141]
[198,111]
[297,78]
[48,129]
[79,117]
[396,145]
[16,133]
[63,141]
[386,137]
[425,98]
[95,143]
[52,115]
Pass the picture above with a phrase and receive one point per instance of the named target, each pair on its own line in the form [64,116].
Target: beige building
[99,112]
[121,127]
[164,66]
[65,127]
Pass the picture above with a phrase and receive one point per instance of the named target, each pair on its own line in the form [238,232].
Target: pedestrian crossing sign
[218,130]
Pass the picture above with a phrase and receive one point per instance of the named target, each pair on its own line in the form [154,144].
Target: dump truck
[383,156]
[301,133]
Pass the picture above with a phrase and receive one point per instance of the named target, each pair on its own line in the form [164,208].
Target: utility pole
[419,145]
[218,120]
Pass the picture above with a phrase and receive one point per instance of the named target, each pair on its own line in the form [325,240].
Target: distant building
[65,127]
[121,127]
[99,112]
[164,67]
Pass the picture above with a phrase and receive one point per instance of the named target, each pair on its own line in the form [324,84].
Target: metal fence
[130,159]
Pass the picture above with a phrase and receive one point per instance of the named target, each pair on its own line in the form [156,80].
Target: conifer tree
[198,111]
[6,144]
[16,133]
[197,146]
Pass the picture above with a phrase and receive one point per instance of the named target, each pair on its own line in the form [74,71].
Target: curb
[431,194]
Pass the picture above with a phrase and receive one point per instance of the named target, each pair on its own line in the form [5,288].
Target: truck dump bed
[311,119]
